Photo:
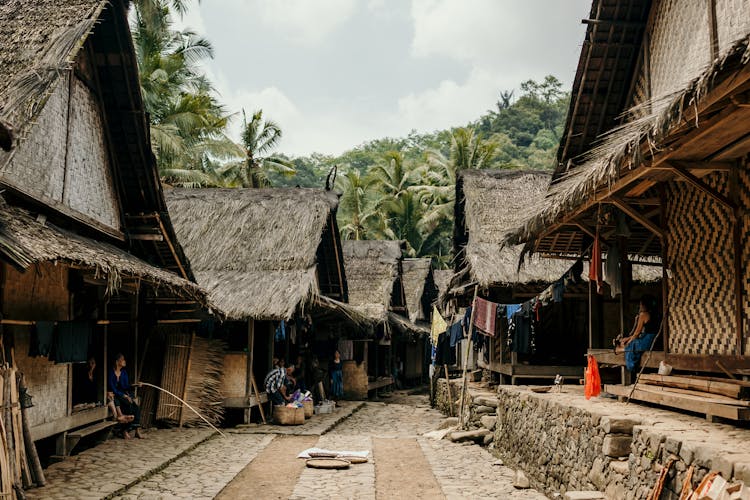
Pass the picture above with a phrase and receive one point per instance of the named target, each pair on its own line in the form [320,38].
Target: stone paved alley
[259,462]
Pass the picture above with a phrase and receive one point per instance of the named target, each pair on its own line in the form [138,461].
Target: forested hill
[524,128]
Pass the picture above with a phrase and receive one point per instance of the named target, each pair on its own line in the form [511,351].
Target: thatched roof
[628,146]
[414,275]
[489,204]
[25,241]
[253,250]
[442,279]
[40,42]
[372,270]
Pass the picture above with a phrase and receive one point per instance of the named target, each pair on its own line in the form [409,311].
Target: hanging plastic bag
[592,382]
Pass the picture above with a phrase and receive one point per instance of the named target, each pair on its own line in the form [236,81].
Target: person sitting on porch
[275,384]
[644,331]
[119,384]
[116,411]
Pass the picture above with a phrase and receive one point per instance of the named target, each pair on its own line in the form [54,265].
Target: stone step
[458,436]
[584,495]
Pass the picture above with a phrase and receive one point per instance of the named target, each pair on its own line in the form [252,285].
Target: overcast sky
[336,73]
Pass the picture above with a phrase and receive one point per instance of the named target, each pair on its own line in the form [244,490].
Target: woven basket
[309,408]
[284,415]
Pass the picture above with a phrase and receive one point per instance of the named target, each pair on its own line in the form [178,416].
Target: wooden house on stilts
[658,134]
[272,265]
[89,262]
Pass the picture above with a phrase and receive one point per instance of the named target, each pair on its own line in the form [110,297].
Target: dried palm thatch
[253,250]
[627,146]
[442,279]
[414,274]
[372,270]
[24,241]
[40,40]
[406,327]
[494,202]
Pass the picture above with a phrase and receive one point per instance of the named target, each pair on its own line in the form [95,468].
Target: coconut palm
[358,214]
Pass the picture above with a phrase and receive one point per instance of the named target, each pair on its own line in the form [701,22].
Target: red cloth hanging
[485,314]
[595,266]
[592,382]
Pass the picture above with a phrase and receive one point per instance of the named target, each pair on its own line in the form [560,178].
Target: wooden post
[737,246]
[134,313]
[664,275]
[249,379]
[591,319]
[187,373]
[450,396]
[466,360]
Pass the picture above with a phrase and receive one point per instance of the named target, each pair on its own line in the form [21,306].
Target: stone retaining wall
[565,443]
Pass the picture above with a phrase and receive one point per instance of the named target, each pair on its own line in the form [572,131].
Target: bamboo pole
[466,358]
[187,374]
[37,473]
[451,409]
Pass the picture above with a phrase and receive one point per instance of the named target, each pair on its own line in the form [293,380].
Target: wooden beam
[145,237]
[645,202]
[171,247]
[634,214]
[693,180]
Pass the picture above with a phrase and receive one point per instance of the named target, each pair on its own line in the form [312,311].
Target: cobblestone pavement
[391,420]
[319,424]
[466,471]
[204,471]
[356,482]
[99,472]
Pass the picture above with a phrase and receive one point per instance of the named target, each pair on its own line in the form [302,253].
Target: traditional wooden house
[90,263]
[658,134]
[374,274]
[266,256]
[420,292]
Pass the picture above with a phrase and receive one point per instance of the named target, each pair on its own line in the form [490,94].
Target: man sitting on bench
[119,384]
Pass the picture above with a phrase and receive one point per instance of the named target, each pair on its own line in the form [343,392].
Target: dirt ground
[274,473]
[402,471]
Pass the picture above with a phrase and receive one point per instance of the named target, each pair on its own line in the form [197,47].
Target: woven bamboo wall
[743,197]
[733,21]
[41,293]
[679,43]
[38,165]
[89,189]
[701,259]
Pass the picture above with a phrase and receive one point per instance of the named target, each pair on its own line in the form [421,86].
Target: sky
[336,73]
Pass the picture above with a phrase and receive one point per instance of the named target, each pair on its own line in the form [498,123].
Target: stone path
[319,424]
[197,463]
[99,471]
[204,471]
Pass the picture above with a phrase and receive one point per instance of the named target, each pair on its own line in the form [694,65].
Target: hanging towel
[595,266]
[485,315]
[612,271]
[42,336]
[72,340]
[438,325]
[457,333]
[510,310]
[280,332]
[558,289]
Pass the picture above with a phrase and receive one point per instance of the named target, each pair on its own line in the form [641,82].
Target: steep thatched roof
[253,250]
[442,279]
[629,146]
[489,204]
[40,42]
[25,241]
[414,275]
[372,270]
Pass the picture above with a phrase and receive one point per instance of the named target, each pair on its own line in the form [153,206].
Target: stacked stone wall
[564,443]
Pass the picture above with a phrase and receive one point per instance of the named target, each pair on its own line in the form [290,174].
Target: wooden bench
[72,438]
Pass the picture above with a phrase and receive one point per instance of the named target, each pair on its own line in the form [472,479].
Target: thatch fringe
[622,148]
[24,241]
[414,274]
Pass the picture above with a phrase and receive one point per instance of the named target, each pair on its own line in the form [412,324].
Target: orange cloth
[592,382]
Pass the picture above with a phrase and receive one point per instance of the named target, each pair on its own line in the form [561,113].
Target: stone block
[687,451]
[488,422]
[458,436]
[672,446]
[617,445]
[620,467]
[488,439]
[520,481]
[596,474]
[584,495]
[486,401]
[448,422]
[618,425]
[742,471]
[484,410]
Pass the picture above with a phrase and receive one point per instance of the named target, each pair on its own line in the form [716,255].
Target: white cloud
[304,22]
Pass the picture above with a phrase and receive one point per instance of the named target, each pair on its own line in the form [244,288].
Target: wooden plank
[712,386]
[245,402]
[60,425]
[713,398]
[680,401]
[608,357]
[92,429]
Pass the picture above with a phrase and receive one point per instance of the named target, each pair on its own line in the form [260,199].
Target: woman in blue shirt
[118,383]
[645,330]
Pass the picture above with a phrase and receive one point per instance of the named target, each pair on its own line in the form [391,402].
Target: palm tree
[259,139]
[357,215]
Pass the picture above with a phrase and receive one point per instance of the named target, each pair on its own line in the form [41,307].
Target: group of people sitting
[281,382]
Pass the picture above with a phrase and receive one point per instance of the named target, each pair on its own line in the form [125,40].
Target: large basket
[309,408]
[284,415]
